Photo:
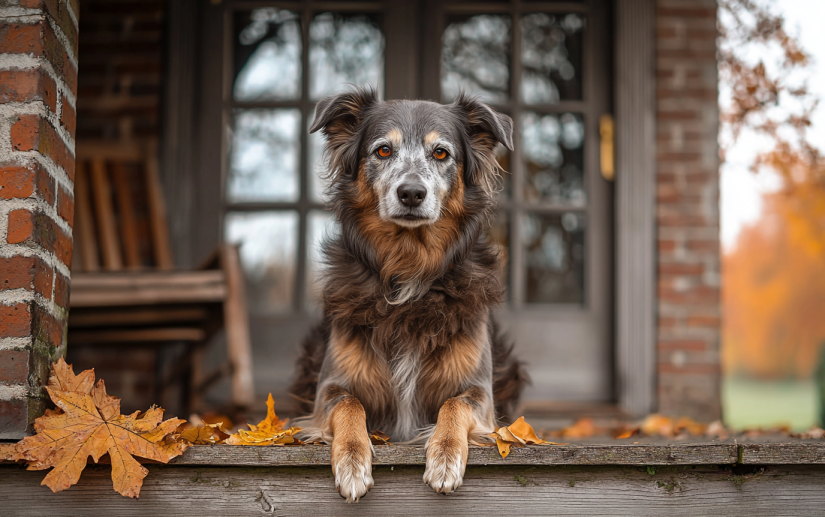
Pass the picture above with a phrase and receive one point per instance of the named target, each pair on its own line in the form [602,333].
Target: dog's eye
[439,154]
[384,151]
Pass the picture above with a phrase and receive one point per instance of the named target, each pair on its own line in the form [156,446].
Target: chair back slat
[157,211]
[126,216]
[121,219]
[105,216]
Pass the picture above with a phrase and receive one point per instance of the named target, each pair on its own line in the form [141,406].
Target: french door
[546,64]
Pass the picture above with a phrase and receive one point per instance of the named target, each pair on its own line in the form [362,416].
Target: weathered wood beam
[493,490]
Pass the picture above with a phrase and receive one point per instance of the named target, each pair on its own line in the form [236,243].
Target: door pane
[267,55]
[345,49]
[551,57]
[264,155]
[553,150]
[475,57]
[268,244]
[554,249]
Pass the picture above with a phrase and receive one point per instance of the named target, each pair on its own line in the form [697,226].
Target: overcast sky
[740,189]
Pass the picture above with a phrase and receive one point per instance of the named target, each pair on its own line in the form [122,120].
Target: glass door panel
[547,67]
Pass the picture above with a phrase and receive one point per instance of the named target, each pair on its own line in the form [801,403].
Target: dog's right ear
[341,111]
[340,116]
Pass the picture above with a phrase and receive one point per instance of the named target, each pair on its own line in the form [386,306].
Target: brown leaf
[582,428]
[517,434]
[88,423]
[270,431]
[379,438]
[209,434]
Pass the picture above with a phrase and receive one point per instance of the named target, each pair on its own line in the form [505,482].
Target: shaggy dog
[408,345]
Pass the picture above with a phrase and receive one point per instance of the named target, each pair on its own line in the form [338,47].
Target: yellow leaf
[270,431]
[206,435]
[524,431]
[88,423]
[503,447]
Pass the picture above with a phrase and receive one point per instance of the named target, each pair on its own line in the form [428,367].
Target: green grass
[751,404]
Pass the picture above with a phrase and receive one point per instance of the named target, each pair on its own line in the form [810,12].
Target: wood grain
[643,455]
[523,491]
[807,452]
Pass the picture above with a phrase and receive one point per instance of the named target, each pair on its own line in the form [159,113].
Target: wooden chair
[125,291]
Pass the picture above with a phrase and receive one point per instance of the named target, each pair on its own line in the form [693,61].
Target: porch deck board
[491,490]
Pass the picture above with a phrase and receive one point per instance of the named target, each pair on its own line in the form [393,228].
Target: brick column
[38,87]
[687,209]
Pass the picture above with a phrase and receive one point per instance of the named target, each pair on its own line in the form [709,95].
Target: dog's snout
[411,194]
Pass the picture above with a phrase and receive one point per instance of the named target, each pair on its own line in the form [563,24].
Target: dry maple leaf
[88,423]
[208,434]
[270,431]
[518,434]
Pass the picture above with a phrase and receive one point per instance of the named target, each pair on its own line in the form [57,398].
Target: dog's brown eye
[439,154]
[384,151]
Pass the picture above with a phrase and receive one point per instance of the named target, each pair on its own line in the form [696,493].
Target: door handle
[607,152]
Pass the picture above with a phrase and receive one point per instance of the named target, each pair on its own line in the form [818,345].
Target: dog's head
[412,154]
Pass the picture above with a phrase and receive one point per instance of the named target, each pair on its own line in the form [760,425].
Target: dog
[407,344]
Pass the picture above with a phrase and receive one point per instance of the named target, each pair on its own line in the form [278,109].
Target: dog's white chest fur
[405,370]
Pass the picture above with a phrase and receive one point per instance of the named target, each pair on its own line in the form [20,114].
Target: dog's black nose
[411,194]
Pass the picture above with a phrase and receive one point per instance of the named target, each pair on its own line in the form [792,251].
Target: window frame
[305,204]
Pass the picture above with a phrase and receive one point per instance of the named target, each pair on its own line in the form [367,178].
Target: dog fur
[407,344]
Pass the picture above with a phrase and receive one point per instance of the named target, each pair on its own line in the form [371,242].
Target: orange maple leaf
[88,423]
[517,434]
[270,431]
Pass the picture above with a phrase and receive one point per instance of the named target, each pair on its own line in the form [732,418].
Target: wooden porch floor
[769,477]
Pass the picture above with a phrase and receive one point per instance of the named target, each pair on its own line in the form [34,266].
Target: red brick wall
[687,209]
[38,85]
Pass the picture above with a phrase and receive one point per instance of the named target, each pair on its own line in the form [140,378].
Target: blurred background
[773,203]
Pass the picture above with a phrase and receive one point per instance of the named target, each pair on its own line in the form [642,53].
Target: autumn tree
[774,277]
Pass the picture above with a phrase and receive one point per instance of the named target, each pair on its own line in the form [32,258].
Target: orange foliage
[774,278]
[774,290]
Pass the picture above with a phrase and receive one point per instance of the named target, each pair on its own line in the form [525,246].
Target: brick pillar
[38,87]
[687,209]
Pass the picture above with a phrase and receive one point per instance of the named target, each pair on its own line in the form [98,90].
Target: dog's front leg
[346,423]
[448,447]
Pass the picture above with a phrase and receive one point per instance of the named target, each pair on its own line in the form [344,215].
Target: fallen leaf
[718,430]
[270,431]
[582,428]
[813,433]
[379,438]
[208,434]
[517,434]
[626,432]
[657,424]
[503,447]
[88,423]
[7,451]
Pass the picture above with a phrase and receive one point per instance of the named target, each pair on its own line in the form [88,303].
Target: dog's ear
[485,129]
[340,116]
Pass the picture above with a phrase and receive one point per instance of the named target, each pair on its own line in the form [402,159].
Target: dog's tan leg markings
[448,447]
[351,447]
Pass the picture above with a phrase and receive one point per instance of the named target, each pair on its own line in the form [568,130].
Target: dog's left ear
[340,116]
[486,128]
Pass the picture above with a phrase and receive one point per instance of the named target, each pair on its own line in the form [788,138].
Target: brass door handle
[607,153]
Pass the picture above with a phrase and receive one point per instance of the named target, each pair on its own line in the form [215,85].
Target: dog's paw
[446,462]
[352,466]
